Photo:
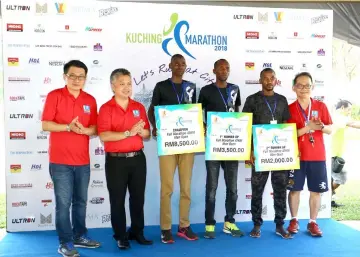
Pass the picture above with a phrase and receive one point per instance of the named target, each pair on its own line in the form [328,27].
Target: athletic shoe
[232,229]
[166,237]
[314,229]
[209,232]
[68,250]
[86,242]
[293,227]
[187,233]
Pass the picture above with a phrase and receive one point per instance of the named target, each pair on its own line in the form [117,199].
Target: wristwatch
[127,133]
[322,126]
[68,128]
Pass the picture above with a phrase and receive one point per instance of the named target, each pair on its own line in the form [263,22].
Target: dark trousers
[230,175]
[279,180]
[121,174]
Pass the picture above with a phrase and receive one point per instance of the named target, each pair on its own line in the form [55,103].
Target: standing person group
[71,116]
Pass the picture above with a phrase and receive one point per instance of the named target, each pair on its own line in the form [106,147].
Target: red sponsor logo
[14,27]
[251,35]
[49,185]
[46,202]
[67,27]
[17,135]
[248,196]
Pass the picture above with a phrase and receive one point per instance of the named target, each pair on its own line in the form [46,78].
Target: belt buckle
[128,155]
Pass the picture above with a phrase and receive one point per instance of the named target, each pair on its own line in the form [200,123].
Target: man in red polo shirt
[70,115]
[312,119]
[122,126]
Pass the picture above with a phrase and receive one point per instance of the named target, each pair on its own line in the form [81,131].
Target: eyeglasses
[74,77]
[300,86]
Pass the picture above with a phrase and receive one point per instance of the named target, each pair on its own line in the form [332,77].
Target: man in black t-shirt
[268,107]
[170,92]
[221,96]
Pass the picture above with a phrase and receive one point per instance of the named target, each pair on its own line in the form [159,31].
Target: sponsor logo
[23,220]
[42,152]
[41,8]
[255,51]
[36,167]
[278,16]
[272,35]
[106,218]
[42,135]
[250,66]
[48,46]
[11,27]
[94,80]
[83,9]
[34,61]
[320,98]
[92,216]
[18,7]
[248,196]
[96,64]
[19,204]
[247,179]
[263,17]
[107,11]
[319,19]
[19,45]
[20,152]
[304,52]
[303,67]
[279,52]
[45,220]
[92,29]
[39,29]
[319,82]
[295,35]
[317,36]
[251,82]
[60,8]
[243,17]
[15,168]
[49,185]
[296,18]
[56,63]
[21,116]
[47,80]
[18,79]
[97,166]
[243,212]
[321,52]
[67,28]
[286,67]
[99,151]
[17,186]
[278,83]
[46,202]
[267,65]
[252,35]
[17,98]
[98,47]
[97,184]
[97,200]
[17,135]
[78,46]
[13,61]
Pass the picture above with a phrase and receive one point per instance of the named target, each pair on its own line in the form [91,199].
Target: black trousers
[279,182]
[121,174]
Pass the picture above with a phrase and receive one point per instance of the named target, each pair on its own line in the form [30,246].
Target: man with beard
[173,91]
[221,96]
[268,107]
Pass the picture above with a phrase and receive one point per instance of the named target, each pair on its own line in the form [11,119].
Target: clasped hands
[315,124]
[138,128]
[78,128]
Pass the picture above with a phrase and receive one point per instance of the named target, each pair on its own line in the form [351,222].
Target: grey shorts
[339,178]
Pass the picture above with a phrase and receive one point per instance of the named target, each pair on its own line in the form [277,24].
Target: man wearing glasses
[268,107]
[312,119]
[70,115]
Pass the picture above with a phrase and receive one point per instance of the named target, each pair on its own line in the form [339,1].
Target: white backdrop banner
[40,36]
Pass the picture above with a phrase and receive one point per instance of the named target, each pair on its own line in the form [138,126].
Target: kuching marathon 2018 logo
[173,34]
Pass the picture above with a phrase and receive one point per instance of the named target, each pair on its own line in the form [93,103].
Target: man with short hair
[268,107]
[342,120]
[312,120]
[70,115]
[174,90]
[221,96]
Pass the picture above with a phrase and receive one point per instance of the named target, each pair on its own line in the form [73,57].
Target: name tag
[136,113]
[86,108]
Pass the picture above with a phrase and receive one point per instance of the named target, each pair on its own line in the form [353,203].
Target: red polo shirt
[61,107]
[112,117]
[308,152]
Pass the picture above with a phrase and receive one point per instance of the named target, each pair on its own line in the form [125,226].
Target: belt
[126,155]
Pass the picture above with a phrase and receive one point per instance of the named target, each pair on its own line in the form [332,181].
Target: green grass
[349,196]
[2,211]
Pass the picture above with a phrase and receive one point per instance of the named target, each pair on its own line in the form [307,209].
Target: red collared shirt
[112,117]
[308,152]
[61,107]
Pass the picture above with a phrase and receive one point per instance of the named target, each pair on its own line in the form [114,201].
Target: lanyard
[222,97]
[303,112]
[180,99]
[272,112]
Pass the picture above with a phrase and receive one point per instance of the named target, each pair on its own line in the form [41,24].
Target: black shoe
[166,237]
[335,205]
[140,239]
[123,244]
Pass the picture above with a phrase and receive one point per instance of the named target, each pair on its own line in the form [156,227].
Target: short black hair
[118,72]
[220,60]
[343,103]
[266,70]
[75,63]
[307,74]
[177,56]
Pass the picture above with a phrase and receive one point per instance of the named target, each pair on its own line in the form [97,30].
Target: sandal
[284,234]
[255,233]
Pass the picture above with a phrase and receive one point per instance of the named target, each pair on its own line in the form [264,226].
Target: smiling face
[303,87]
[75,78]
[122,86]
